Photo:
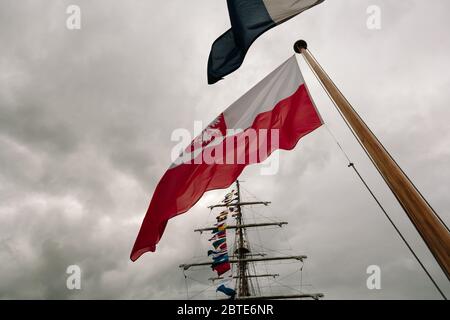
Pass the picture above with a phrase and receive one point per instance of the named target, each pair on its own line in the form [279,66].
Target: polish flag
[273,115]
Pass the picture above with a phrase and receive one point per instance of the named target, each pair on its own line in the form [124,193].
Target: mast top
[299,45]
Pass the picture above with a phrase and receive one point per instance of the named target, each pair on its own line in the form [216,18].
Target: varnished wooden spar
[243,226]
[239,261]
[273,275]
[429,226]
[266,203]
[314,296]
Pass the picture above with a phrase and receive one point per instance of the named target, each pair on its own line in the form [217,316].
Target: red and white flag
[273,115]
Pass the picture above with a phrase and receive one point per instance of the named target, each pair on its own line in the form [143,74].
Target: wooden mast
[430,227]
[243,287]
[242,257]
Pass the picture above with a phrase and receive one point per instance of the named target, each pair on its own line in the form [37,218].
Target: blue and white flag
[228,291]
[249,19]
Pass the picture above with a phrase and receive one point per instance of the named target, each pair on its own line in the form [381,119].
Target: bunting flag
[224,213]
[220,227]
[221,218]
[216,244]
[229,201]
[219,235]
[219,254]
[220,258]
[223,246]
[230,197]
[228,291]
[277,112]
[221,261]
[221,268]
[215,252]
[249,19]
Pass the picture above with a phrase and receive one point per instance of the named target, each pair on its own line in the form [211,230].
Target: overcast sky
[85,123]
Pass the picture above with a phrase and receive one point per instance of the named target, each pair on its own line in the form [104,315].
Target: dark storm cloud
[85,124]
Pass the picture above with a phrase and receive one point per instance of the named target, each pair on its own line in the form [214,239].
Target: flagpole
[434,233]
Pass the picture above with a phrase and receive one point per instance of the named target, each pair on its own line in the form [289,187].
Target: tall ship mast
[235,265]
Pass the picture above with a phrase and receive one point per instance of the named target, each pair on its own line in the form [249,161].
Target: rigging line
[398,232]
[286,286]
[273,250]
[256,213]
[202,283]
[265,262]
[301,276]
[261,215]
[250,265]
[257,285]
[288,275]
[199,293]
[209,286]
[186,284]
[338,144]
[250,193]
[251,208]
[269,207]
[254,265]
[352,165]
[271,281]
[365,151]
